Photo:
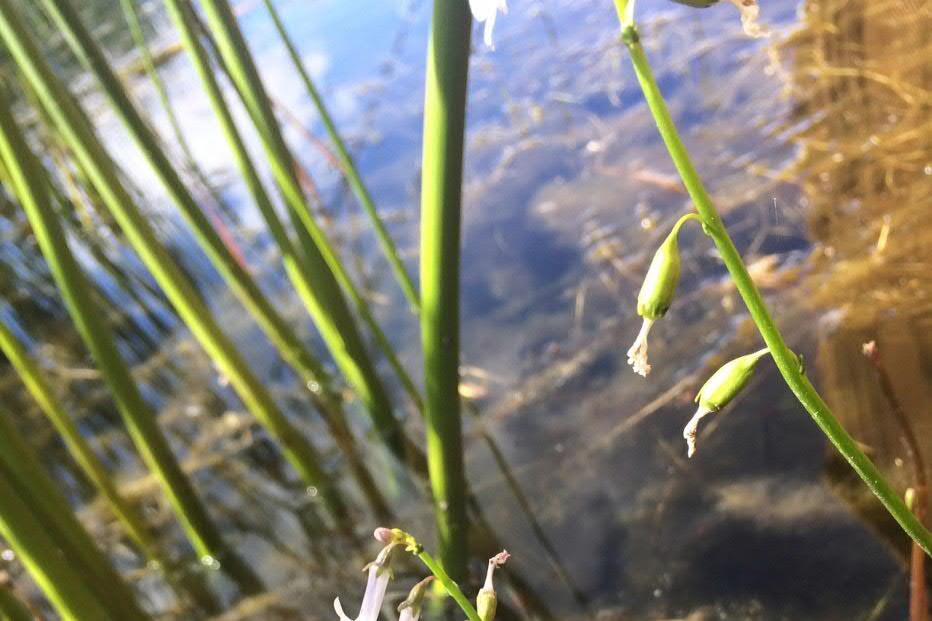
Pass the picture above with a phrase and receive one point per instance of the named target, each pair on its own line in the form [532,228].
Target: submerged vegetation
[149,319]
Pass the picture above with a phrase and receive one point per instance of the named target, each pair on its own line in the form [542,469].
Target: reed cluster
[57,170]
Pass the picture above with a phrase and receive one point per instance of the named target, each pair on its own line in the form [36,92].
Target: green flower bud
[486,604]
[719,390]
[657,293]
[663,275]
[410,609]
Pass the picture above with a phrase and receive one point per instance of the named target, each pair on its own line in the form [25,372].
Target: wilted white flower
[485,11]
[637,355]
[486,601]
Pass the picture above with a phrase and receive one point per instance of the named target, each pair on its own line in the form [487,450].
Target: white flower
[485,11]
[379,575]
[637,355]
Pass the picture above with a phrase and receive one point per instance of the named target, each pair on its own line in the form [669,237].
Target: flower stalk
[787,363]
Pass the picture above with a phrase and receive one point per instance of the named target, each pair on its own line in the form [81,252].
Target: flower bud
[487,601]
[719,390]
[657,293]
[410,609]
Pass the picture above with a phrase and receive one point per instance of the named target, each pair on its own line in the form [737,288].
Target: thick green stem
[441,190]
[785,359]
[348,165]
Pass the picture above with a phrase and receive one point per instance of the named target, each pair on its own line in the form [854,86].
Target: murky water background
[816,144]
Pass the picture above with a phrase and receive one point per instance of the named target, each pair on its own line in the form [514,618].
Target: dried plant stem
[786,361]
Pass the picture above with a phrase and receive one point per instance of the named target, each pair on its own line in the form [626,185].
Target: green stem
[784,358]
[131,12]
[28,178]
[42,392]
[450,585]
[62,583]
[348,165]
[441,189]
[20,466]
[308,367]
[323,272]
[297,449]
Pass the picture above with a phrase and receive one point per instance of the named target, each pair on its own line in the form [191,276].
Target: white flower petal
[338,607]
[375,594]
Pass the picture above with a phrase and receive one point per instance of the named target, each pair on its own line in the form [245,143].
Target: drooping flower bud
[410,609]
[657,293]
[719,390]
[486,601]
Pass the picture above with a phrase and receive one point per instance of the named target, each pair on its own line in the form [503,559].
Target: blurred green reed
[227,264]
[441,195]
[11,607]
[23,476]
[30,185]
[41,390]
[321,274]
[347,164]
[311,263]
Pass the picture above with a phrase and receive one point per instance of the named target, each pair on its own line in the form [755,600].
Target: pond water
[816,143]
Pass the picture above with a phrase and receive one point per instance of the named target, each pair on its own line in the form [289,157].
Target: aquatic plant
[379,571]
[441,196]
[787,362]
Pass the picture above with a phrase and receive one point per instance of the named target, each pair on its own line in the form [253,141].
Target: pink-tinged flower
[380,573]
[485,11]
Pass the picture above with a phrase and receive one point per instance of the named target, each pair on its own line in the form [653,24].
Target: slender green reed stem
[81,452]
[441,189]
[11,608]
[784,358]
[347,164]
[323,272]
[309,368]
[20,467]
[28,178]
[449,584]
[148,63]
[76,128]
[61,582]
